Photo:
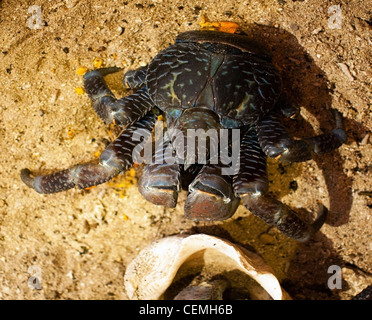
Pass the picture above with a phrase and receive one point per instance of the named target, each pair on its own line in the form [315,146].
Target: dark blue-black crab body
[206,80]
[235,81]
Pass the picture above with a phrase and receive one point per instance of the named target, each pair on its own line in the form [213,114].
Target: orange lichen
[223,26]
[79,90]
[97,62]
[97,154]
[72,132]
[123,181]
[89,188]
[81,71]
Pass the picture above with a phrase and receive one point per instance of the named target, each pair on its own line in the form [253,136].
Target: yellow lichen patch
[223,26]
[97,63]
[97,154]
[123,181]
[79,90]
[81,71]
[72,132]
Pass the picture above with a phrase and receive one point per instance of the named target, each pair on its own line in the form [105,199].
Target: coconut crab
[206,80]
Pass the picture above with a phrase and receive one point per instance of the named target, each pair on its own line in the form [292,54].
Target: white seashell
[151,273]
[212,290]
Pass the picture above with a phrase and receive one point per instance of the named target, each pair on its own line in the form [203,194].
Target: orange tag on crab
[223,26]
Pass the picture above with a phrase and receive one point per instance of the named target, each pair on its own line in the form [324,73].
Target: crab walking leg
[211,196]
[252,175]
[116,158]
[135,79]
[251,185]
[160,181]
[122,111]
[276,143]
[287,108]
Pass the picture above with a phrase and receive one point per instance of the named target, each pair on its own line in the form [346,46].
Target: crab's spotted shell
[197,72]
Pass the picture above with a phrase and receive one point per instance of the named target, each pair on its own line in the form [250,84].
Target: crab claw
[160,184]
[211,197]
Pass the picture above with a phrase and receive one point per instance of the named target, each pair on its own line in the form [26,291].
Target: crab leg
[161,182]
[116,158]
[287,108]
[251,185]
[276,143]
[122,111]
[135,79]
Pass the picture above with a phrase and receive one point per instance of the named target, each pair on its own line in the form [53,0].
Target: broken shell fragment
[218,263]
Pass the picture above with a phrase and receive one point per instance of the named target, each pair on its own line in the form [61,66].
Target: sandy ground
[78,243]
